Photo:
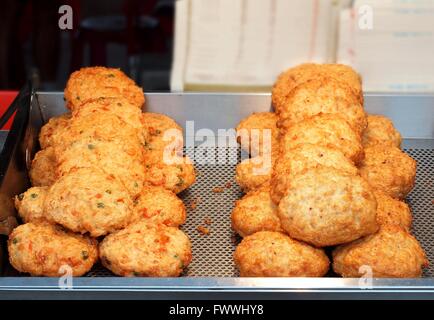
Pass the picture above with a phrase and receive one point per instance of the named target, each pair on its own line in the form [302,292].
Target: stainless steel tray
[212,272]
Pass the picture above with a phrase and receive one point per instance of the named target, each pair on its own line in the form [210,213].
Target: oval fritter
[302,159]
[146,249]
[274,254]
[392,211]
[380,130]
[99,82]
[254,172]
[88,200]
[322,95]
[156,204]
[258,133]
[51,128]
[255,212]
[328,130]
[388,169]
[175,177]
[326,207]
[30,204]
[43,249]
[43,168]
[390,253]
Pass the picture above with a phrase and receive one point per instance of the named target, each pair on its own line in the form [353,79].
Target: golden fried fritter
[51,128]
[391,253]
[109,157]
[328,130]
[325,207]
[30,204]
[392,211]
[43,168]
[146,249]
[258,133]
[255,212]
[42,249]
[88,200]
[100,82]
[322,95]
[164,135]
[388,169]
[274,254]
[302,159]
[156,204]
[292,77]
[174,177]
[254,172]
[380,130]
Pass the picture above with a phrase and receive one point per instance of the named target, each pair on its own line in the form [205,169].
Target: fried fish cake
[175,177]
[30,204]
[146,249]
[302,159]
[88,200]
[254,172]
[292,77]
[43,168]
[51,128]
[164,135]
[109,157]
[102,126]
[274,254]
[322,95]
[119,107]
[327,130]
[380,130]
[326,207]
[258,133]
[391,253]
[388,169]
[255,212]
[156,204]
[43,249]
[392,211]
[99,82]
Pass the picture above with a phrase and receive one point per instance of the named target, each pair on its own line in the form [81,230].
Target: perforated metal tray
[212,269]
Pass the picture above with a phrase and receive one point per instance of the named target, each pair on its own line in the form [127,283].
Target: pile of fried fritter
[104,186]
[331,176]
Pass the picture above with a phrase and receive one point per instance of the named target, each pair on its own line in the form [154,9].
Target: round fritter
[109,157]
[258,133]
[391,253]
[43,168]
[389,169]
[325,207]
[254,172]
[380,130]
[392,211]
[30,204]
[292,77]
[322,95]
[119,107]
[88,200]
[102,126]
[43,249]
[327,130]
[163,135]
[255,212]
[51,128]
[146,249]
[303,158]
[100,82]
[274,254]
[156,204]
[174,177]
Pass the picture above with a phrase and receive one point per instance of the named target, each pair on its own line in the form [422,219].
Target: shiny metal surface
[414,118]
